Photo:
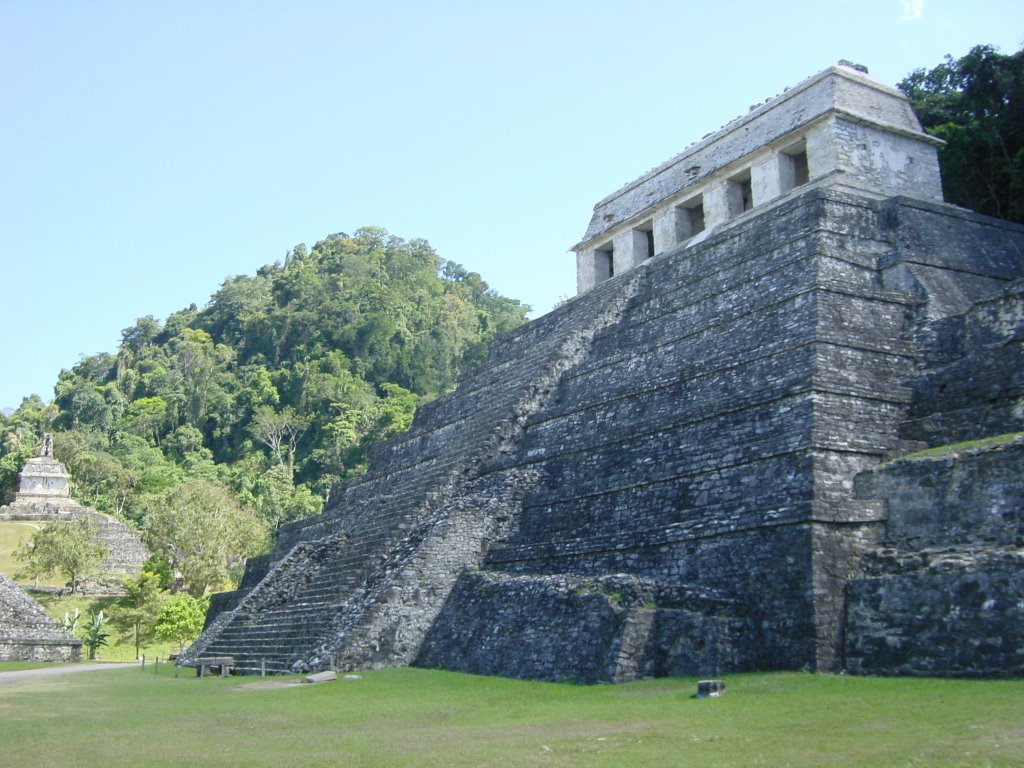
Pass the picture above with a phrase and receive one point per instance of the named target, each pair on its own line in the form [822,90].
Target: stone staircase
[339,588]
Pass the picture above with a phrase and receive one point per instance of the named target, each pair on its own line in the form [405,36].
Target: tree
[95,635]
[279,431]
[66,548]
[10,466]
[145,417]
[203,533]
[136,613]
[181,619]
[158,566]
[238,313]
[98,479]
[140,336]
[976,105]
[201,365]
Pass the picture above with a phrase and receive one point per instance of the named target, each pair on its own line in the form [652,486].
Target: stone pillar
[586,270]
[593,266]
[716,204]
[630,249]
[766,179]
[670,229]
[822,156]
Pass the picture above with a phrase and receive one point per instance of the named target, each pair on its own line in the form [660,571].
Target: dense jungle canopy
[275,390]
[976,105]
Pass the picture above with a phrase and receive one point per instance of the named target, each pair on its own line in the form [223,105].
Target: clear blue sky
[150,150]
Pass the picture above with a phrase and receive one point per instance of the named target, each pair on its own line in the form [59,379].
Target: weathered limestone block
[974,496]
[710,689]
[320,677]
[955,612]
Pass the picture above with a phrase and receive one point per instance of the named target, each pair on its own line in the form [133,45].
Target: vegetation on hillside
[239,416]
[976,105]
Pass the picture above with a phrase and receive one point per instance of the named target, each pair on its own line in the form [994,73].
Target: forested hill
[275,390]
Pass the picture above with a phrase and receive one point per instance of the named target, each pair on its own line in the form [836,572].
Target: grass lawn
[16,666]
[410,717]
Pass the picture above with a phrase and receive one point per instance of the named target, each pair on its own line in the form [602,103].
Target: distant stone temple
[27,633]
[778,428]
[44,495]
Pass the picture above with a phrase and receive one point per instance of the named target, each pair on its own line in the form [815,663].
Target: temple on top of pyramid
[43,478]
[44,495]
[718,456]
[839,128]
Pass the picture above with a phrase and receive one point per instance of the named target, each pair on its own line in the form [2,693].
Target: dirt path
[8,678]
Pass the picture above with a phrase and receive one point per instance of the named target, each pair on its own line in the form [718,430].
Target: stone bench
[224,664]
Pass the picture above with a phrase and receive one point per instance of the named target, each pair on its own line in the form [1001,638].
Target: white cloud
[911,10]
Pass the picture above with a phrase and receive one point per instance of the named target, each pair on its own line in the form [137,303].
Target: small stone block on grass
[710,689]
[321,677]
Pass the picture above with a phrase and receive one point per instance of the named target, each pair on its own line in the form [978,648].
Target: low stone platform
[27,633]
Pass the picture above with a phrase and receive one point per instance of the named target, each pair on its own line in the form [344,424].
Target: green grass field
[409,717]
[15,666]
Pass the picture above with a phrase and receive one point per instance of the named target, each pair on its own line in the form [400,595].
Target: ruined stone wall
[974,495]
[943,592]
[944,613]
[973,385]
[126,552]
[611,628]
[27,633]
[949,258]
